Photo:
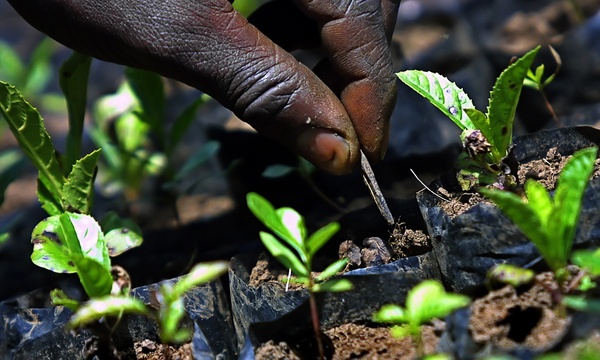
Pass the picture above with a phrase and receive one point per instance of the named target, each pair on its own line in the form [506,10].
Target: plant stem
[551,109]
[314,314]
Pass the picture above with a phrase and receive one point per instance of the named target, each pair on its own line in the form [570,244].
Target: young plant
[487,138]
[425,302]
[550,222]
[536,81]
[289,226]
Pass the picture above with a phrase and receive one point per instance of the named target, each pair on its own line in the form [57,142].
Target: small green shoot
[550,222]
[508,274]
[289,226]
[425,302]
[486,137]
[536,81]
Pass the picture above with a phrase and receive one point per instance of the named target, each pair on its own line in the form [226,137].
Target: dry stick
[428,189]
[376,194]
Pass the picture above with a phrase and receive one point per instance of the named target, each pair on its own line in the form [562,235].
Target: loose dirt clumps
[508,318]
[151,350]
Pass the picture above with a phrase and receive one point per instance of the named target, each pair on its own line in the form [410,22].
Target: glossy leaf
[503,103]
[442,93]
[26,125]
[283,254]
[96,309]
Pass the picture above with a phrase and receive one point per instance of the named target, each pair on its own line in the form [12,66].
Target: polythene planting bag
[468,245]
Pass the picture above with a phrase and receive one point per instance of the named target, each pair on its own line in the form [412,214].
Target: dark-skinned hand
[325,115]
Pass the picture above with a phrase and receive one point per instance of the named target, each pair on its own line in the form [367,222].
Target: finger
[208,45]
[354,34]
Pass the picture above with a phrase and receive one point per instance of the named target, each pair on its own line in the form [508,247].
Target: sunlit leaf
[96,309]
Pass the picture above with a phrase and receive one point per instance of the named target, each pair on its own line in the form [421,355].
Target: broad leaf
[96,309]
[78,190]
[283,254]
[120,234]
[442,93]
[94,277]
[503,103]
[26,125]
[588,260]
[391,314]
[428,300]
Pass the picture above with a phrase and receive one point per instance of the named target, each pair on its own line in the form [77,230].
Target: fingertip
[326,150]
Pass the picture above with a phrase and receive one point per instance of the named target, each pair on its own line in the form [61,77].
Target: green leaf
[50,250]
[78,190]
[391,314]
[428,300]
[568,197]
[73,80]
[509,274]
[581,303]
[11,165]
[442,93]
[148,89]
[273,220]
[96,309]
[277,170]
[321,237]
[120,234]
[503,103]
[588,260]
[283,254]
[482,122]
[170,316]
[39,70]
[182,123]
[26,125]
[12,68]
[60,298]
[402,331]
[94,276]
[332,270]
[200,274]
[293,227]
[334,285]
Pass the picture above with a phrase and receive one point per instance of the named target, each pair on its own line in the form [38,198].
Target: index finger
[355,35]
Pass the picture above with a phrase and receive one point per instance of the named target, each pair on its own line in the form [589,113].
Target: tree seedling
[550,222]
[291,231]
[486,138]
[425,302]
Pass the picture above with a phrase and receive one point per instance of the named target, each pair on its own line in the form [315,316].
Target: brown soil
[508,318]
[546,171]
[355,341]
[150,350]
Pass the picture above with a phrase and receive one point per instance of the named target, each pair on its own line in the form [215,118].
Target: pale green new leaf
[391,314]
[402,331]
[442,93]
[200,274]
[283,254]
[78,190]
[321,237]
[26,125]
[539,200]
[332,270]
[96,309]
[588,260]
[428,300]
[334,285]
[503,102]
[170,316]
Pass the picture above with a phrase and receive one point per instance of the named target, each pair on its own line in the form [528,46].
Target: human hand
[208,45]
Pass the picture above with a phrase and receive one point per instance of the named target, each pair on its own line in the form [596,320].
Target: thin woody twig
[376,194]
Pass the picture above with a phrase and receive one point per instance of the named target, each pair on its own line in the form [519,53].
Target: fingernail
[325,149]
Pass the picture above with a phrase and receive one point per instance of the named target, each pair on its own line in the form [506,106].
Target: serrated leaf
[503,103]
[96,309]
[321,237]
[283,254]
[26,125]
[78,190]
[442,93]
[332,270]
[73,81]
